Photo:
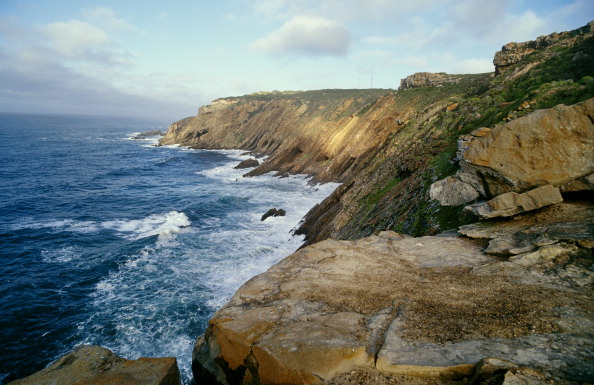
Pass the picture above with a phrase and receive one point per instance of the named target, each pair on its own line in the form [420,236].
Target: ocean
[114,241]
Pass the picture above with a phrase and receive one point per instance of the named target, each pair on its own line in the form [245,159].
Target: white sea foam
[159,298]
[163,225]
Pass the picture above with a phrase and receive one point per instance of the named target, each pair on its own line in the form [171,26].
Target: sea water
[113,241]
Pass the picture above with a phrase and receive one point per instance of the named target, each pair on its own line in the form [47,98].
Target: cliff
[504,159]
[387,147]
[497,301]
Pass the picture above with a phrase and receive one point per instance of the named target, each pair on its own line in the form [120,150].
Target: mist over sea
[112,241]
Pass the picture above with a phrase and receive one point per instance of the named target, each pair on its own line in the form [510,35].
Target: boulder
[552,146]
[248,163]
[393,306]
[546,147]
[452,191]
[274,212]
[89,364]
[510,204]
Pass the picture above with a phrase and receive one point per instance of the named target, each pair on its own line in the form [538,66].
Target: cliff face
[320,133]
[388,147]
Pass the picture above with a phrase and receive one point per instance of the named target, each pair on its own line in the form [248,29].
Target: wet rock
[273,213]
[95,365]
[248,163]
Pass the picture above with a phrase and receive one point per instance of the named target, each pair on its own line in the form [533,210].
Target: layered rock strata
[95,365]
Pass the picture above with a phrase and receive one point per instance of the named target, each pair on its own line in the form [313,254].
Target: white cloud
[108,19]
[308,35]
[81,42]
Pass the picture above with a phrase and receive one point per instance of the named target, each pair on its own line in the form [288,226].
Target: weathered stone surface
[248,163]
[510,204]
[399,306]
[517,156]
[94,365]
[451,191]
[564,222]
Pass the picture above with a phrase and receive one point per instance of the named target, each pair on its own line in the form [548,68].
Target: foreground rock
[94,365]
[415,310]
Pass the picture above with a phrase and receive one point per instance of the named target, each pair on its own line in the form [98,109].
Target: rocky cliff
[388,147]
[499,300]
[503,159]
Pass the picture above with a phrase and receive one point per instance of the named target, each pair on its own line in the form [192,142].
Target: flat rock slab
[395,305]
[94,365]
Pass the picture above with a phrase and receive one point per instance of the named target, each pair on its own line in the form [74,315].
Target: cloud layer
[308,35]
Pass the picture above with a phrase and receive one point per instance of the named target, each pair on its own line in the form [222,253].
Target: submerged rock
[147,134]
[95,365]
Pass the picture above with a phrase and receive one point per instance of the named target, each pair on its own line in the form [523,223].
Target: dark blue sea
[113,241]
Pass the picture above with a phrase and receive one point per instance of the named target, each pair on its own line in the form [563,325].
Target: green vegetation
[427,145]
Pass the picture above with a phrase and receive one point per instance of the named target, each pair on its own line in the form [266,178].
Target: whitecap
[163,225]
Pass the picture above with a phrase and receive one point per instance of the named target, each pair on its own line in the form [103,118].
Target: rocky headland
[458,248]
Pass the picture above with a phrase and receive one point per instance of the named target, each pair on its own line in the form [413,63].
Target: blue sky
[164,59]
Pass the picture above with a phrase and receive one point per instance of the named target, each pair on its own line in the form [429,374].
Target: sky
[166,58]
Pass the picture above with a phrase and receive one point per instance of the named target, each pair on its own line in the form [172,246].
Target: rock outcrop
[524,164]
[507,298]
[393,305]
[427,79]
[274,212]
[248,163]
[95,365]
[513,53]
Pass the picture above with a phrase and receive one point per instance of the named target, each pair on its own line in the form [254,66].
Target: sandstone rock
[396,305]
[273,213]
[451,191]
[567,221]
[248,163]
[517,156]
[94,365]
[510,204]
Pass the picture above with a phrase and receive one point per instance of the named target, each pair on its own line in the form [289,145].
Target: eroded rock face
[95,365]
[398,306]
[547,147]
